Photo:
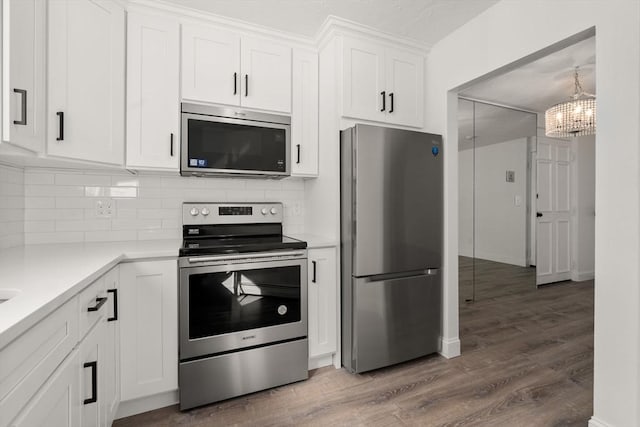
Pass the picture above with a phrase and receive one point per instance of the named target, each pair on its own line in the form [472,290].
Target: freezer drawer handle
[115,305]
[94,382]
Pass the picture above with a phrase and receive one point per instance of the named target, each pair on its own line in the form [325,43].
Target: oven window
[234,301]
[215,145]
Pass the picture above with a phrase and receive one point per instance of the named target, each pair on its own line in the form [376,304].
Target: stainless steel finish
[233,116]
[229,258]
[229,375]
[396,190]
[401,321]
[188,218]
[226,112]
[391,236]
[247,338]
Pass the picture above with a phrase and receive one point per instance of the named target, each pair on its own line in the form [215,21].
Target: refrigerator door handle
[402,275]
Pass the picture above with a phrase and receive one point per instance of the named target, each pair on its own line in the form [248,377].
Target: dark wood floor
[527,360]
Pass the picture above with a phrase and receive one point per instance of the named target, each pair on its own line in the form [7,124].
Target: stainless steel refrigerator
[391,235]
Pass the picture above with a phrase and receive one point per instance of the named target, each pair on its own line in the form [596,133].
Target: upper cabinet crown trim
[335,25]
[186,14]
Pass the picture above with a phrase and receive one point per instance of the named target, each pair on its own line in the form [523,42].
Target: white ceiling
[425,20]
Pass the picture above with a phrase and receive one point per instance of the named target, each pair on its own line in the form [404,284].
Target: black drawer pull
[99,303]
[23,109]
[171,149]
[298,147]
[235,83]
[115,305]
[391,96]
[246,85]
[60,115]
[313,277]
[94,382]
[384,100]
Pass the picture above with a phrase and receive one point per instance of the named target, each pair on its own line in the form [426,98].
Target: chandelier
[572,118]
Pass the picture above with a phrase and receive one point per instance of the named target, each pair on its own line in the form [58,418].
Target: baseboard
[594,422]
[321,361]
[145,404]
[450,347]
[581,276]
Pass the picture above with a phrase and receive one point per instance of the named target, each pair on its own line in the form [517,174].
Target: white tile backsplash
[60,205]
[12,204]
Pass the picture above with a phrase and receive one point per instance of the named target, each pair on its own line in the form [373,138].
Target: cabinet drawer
[27,362]
[92,305]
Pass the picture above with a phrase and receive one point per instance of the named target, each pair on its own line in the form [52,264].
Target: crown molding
[335,25]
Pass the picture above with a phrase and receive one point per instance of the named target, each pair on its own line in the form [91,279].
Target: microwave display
[219,145]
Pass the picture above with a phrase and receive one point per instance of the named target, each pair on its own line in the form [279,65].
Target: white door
[57,403]
[86,80]
[304,114]
[322,285]
[553,230]
[153,100]
[24,99]
[405,87]
[210,65]
[364,93]
[266,75]
[149,328]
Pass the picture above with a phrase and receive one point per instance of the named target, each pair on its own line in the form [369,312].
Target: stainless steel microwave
[219,141]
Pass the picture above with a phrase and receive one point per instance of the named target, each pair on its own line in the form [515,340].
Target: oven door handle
[199,260]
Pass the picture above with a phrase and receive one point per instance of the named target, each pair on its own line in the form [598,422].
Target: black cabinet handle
[235,83]
[246,85]
[115,305]
[94,382]
[298,147]
[538,214]
[23,109]
[384,100]
[391,96]
[313,276]
[171,148]
[99,303]
[60,115]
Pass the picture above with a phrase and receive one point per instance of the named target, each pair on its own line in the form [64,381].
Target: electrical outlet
[296,209]
[105,208]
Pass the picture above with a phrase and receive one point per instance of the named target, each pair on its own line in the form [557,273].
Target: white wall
[60,204]
[498,39]
[11,206]
[583,207]
[500,225]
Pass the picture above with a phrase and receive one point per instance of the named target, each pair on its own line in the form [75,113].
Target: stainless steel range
[242,302]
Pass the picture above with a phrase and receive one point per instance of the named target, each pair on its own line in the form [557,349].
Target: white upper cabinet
[266,75]
[24,73]
[382,83]
[86,80]
[153,100]
[210,65]
[221,67]
[304,114]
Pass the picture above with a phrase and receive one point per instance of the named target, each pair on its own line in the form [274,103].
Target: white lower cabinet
[149,332]
[323,288]
[57,403]
[92,390]
[112,348]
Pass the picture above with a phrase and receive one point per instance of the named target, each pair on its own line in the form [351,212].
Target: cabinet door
[58,401]
[323,302]
[266,75]
[364,92]
[111,398]
[86,80]
[405,88]
[153,101]
[210,65]
[24,52]
[92,377]
[304,114]
[149,328]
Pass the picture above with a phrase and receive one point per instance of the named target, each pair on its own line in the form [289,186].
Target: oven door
[243,303]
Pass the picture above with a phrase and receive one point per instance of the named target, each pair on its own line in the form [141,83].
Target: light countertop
[45,276]
[315,241]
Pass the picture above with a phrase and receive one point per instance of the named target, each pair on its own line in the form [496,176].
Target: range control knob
[264,211]
[205,211]
[274,211]
[194,211]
